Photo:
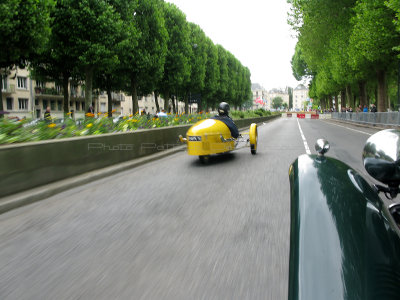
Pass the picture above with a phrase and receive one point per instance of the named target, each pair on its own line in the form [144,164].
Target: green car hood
[343,241]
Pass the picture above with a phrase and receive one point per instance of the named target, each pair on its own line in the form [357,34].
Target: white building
[300,95]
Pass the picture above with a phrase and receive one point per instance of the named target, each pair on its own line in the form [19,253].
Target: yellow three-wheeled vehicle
[212,136]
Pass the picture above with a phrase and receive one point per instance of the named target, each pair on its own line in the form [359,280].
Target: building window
[74,90]
[53,105]
[3,83]
[21,82]
[36,101]
[102,107]
[22,103]
[10,103]
[59,105]
[77,106]
[44,104]
[83,106]
[58,88]
[40,84]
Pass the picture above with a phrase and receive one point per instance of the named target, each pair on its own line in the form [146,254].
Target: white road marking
[350,128]
[304,139]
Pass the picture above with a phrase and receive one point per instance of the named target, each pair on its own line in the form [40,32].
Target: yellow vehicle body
[208,137]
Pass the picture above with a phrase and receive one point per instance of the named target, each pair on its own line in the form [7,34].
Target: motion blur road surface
[170,229]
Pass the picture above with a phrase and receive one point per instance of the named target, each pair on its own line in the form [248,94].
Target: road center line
[350,129]
[304,138]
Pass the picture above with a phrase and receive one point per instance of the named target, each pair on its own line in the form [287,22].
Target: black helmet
[223,109]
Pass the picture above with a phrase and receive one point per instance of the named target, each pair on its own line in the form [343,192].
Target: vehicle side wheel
[253,149]
[204,159]
[253,138]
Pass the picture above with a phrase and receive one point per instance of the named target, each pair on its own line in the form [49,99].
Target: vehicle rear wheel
[253,137]
[204,159]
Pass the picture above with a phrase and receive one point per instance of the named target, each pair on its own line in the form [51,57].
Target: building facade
[262,98]
[300,96]
[259,96]
[24,97]
[274,93]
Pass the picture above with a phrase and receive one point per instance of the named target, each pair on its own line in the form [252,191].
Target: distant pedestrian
[91,109]
[47,116]
[373,108]
[365,109]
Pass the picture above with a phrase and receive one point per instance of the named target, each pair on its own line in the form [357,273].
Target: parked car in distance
[345,239]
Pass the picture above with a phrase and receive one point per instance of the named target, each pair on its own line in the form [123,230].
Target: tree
[277,102]
[177,67]
[290,92]
[198,63]
[145,49]
[59,60]
[76,47]
[93,44]
[223,81]
[212,74]
[24,29]
[372,41]
[110,76]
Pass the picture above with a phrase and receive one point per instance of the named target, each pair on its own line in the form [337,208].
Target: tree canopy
[346,47]
[135,46]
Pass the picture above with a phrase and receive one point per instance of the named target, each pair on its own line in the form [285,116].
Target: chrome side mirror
[322,147]
[381,157]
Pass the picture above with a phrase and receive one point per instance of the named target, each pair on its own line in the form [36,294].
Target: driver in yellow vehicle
[223,116]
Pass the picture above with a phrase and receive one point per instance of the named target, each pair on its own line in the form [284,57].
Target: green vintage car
[345,239]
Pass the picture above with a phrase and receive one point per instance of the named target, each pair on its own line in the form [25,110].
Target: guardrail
[378,118]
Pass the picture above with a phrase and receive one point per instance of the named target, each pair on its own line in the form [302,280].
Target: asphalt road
[170,229]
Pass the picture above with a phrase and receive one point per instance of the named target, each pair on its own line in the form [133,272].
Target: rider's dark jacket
[228,122]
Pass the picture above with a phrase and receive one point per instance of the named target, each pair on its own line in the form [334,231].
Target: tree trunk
[349,96]
[336,98]
[156,100]
[363,93]
[109,95]
[166,101]
[135,103]
[342,99]
[200,105]
[1,101]
[109,102]
[89,86]
[382,93]
[65,82]
[186,103]
[173,105]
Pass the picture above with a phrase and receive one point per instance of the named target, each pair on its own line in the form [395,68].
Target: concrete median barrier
[29,165]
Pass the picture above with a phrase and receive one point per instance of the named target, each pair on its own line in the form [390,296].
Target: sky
[254,31]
